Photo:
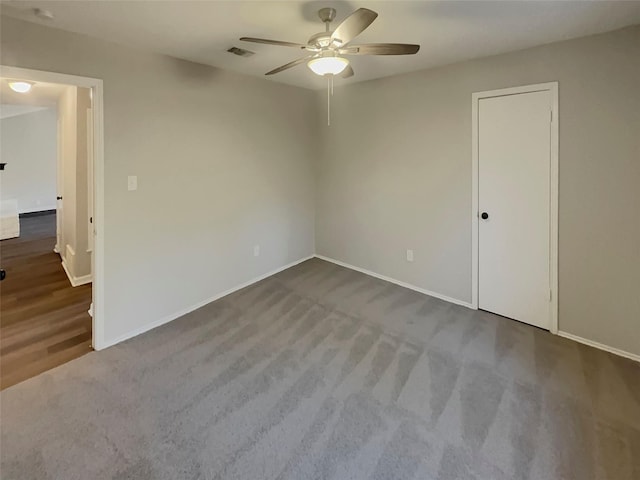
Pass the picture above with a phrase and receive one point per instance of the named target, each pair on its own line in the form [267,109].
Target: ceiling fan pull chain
[328,101]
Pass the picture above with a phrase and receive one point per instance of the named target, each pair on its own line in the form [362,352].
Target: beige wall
[226,162]
[396,175]
[28,146]
[222,162]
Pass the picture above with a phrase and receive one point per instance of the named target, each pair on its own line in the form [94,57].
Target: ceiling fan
[326,48]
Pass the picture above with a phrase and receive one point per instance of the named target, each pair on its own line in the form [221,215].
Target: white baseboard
[570,336]
[76,281]
[397,282]
[198,305]
[184,311]
[601,346]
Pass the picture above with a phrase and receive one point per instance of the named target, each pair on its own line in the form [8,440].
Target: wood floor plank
[42,363]
[43,319]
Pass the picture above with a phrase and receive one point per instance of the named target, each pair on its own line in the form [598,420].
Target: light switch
[132,182]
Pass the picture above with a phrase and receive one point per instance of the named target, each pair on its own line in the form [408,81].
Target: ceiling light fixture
[20,86]
[325,49]
[328,65]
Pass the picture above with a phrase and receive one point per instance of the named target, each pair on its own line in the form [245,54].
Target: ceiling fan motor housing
[320,40]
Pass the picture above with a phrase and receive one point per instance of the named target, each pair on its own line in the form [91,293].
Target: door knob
[58,198]
[484,215]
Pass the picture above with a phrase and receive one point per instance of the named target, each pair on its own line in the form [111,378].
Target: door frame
[552,88]
[96,86]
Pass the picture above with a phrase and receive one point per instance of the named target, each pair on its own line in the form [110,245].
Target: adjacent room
[45,298]
[320,239]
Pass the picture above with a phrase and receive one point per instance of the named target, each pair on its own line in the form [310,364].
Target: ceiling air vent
[240,52]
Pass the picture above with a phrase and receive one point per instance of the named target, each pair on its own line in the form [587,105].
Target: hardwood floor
[43,319]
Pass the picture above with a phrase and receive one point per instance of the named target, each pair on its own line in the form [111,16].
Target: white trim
[474,202]
[397,282]
[554,205]
[552,87]
[96,85]
[184,311]
[600,346]
[591,343]
[75,281]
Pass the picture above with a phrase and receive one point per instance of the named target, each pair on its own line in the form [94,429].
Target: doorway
[515,203]
[74,271]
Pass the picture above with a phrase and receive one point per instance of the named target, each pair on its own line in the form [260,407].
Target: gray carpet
[324,373]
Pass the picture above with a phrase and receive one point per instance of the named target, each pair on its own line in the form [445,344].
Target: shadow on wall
[193,74]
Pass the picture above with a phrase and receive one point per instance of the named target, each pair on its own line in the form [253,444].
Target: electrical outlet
[409,255]
[132,182]
[256,250]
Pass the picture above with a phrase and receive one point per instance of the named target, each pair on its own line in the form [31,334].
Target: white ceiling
[448,31]
[41,95]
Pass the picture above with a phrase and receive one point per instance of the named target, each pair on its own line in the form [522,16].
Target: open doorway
[48,234]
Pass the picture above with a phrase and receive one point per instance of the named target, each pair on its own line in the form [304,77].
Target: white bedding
[9,219]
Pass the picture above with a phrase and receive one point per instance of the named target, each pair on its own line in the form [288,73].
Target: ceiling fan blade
[353,26]
[290,65]
[380,49]
[272,42]
[347,72]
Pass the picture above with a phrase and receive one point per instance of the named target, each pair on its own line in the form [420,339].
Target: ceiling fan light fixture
[20,87]
[328,65]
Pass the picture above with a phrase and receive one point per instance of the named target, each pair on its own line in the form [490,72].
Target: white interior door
[514,166]
[59,248]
